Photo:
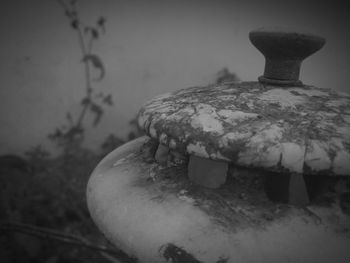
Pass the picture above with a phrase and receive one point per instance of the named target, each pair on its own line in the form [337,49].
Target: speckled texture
[297,129]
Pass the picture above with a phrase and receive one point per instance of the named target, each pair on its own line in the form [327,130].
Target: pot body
[156,215]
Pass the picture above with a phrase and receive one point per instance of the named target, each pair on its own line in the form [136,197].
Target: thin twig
[89,47]
[87,76]
[41,232]
[85,51]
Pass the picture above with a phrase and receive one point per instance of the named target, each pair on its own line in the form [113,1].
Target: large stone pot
[234,172]
[156,214]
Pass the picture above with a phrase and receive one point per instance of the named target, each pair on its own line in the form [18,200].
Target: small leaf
[85,101]
[96,108]
[94,33]
[108,100]
[98,111]
[74,24]
[101,23]
[96,62]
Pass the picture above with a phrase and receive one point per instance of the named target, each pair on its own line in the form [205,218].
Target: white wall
[150,47]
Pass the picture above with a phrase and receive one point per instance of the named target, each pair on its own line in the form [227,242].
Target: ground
[48,193]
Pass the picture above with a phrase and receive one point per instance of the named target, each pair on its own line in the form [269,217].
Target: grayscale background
[150,47]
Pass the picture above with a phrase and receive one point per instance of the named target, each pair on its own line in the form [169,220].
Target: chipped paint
[229,90]
[152,131]
[219,156]
[311,92]
[282,97]
[197,149]
[163,138]
[178,115]
[236,116]
[271,134]
[316,157]
[206,119]
[263,149]
[207,123]
[293,156]
[232,137]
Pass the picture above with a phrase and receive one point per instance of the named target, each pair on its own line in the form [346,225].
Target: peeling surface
[197,149]
[300,129]
[310,92]
[264,148]
[317,157]
[206,119]
[282,97]
[293,156]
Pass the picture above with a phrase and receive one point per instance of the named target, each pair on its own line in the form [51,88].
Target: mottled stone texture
[295,129]
[208,173]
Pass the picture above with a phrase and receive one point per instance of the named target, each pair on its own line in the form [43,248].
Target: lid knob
[284,51]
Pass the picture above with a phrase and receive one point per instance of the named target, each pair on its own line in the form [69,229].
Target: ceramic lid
[277,123]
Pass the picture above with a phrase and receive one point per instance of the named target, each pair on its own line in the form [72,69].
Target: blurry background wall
[150,47]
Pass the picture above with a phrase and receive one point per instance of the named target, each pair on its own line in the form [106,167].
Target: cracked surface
[297,129]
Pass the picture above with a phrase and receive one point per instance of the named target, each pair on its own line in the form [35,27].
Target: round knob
[284,51]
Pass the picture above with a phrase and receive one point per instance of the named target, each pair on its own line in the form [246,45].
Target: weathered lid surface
[300,129]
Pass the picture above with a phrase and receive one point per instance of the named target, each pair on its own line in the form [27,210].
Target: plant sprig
[72,134]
